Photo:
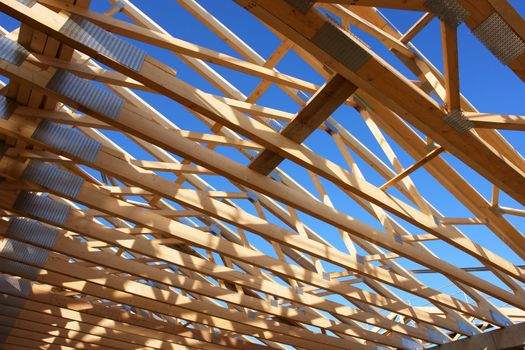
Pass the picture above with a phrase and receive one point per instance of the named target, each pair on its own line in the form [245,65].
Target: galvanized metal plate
[12,52]
[458,122]
[14,286]
[7,106]
[340,45]
[51,176]
[104,42]
[28,3]
[86,93]
[500,38]
[449,11]
[24,253]
[32,231]
[68,141]
[18,269]
[41,207]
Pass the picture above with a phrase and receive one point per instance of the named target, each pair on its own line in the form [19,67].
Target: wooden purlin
[182,252]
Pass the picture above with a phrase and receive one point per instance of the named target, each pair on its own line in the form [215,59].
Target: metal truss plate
[7,106]
[340,45]
[51,176]
[104,42]
[24,253]
[14,286]
[500,39]
[458,122]
[86,93]
[410,344]
[449,11]
[67,141]
[32,231]
[19,269]
[467,328]
[41,207]
[12,52]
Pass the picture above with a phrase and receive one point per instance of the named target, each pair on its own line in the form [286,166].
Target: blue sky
[489,85]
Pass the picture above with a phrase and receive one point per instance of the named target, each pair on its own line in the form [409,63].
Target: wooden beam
[416,28]
[509,338]
[414,5]
[496,121]
[431,155]
[312,115]
[449,38]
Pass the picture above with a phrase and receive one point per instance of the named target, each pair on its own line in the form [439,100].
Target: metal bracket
[86,93]
[67,140]
[449,11]
[12,52]
[457,121]
[41,207]
[341,45]
[500,38]
[51,176]
[7,106]
[32,231]
[103,42]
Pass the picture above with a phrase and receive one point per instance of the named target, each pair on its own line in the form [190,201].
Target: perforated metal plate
[500,39]
[52,177]
[86,93]
[7,106]
[11,51]
[14,286]
[102,41]
[18,269]
[32,231]
[458,122]
[449,11]
[24,253]
[67,141]
[341,46]
[215,230]
[41,207]
[301,5]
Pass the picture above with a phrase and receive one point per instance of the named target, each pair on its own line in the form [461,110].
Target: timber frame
[243,236]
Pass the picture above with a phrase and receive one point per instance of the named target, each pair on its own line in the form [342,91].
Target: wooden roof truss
[193,239]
